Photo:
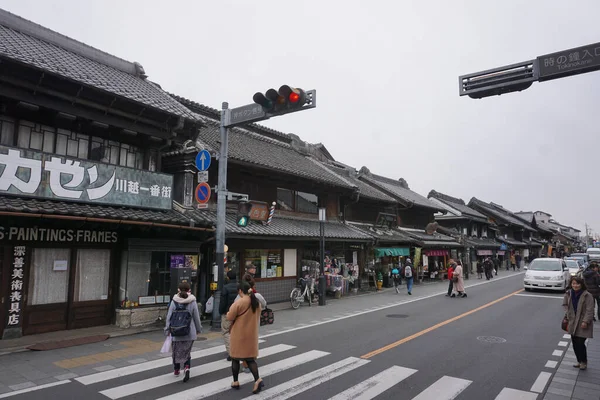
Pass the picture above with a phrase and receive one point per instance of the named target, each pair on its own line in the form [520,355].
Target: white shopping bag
[166,347]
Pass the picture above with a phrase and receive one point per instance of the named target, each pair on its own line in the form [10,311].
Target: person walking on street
[450,274]
[408,274]
[228,296]
[396,279]
[458,280]
[513,261]
[488,267]
[479,270]
[244,316]
[579,307]
[183,324]
[592,283]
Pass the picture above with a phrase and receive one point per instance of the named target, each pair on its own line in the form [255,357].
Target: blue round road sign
[203,160]
[202,193]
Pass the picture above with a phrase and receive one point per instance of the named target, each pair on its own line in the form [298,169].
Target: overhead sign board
[31,173]
[202,193]
[259,211]
[203,160]
[569,62]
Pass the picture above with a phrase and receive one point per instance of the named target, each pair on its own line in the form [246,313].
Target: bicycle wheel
[294,298]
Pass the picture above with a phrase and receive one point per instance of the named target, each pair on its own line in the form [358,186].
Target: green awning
[391,251]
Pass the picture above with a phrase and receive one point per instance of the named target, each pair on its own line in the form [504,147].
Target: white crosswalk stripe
[280,361]
[445,388]
[376,385]
[310,380]
[152,383]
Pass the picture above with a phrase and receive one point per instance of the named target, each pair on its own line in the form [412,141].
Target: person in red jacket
[450,274]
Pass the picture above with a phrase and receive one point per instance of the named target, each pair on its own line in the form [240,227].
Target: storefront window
[291,200]
[269,263]
[92,275]
[49,276]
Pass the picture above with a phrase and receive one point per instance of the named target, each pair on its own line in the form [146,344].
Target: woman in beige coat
[458,280]
[244,315]
[579,305]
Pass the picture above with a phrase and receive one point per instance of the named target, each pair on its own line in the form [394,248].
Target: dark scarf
[575,298]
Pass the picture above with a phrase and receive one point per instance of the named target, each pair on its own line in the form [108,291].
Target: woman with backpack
[244,315]
[183,324]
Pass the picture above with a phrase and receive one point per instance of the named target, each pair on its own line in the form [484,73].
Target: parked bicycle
[305,291]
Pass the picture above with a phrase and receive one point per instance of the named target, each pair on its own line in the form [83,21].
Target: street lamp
[322,283]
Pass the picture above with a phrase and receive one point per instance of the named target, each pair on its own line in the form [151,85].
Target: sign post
[286,100]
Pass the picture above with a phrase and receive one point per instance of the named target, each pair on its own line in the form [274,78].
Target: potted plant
[379,280]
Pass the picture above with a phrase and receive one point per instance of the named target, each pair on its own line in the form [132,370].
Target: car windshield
[545,265]
[572,264]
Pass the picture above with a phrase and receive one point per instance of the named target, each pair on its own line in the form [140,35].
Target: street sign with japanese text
[259,211]
[247,113]
[202,176]
[203,160]
[569,62]
[34,174]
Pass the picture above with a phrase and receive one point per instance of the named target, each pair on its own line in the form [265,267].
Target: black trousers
[450,285]
[187,364]
[579,348]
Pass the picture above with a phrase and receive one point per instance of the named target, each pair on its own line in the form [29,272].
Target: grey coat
[192,307]
[585,313]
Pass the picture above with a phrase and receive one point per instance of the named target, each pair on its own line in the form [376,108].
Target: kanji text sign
[34,174]
[569,62]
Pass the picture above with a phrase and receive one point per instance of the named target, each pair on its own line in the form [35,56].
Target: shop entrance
[68,288]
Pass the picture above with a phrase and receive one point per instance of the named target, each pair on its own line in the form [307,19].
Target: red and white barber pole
[271,212]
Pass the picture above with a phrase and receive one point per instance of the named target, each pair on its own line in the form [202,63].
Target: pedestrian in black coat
[592,282]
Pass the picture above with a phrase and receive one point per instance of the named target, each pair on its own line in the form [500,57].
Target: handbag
[565,324]
[455,279]
[267,317]
[166,347]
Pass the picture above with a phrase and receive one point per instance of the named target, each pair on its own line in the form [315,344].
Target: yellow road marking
[436,326]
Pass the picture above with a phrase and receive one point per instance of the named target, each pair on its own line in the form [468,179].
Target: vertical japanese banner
[15,299]
[417,261]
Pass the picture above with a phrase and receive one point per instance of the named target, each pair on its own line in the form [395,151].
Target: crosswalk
[287,371]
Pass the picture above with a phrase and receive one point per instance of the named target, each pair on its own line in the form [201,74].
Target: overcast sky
[386,75]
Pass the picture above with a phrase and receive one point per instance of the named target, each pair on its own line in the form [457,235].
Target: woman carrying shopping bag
[183,324]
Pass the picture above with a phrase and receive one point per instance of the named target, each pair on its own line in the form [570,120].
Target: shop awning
[391,251]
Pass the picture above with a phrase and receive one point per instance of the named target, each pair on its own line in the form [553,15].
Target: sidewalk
[23,369]
[571,383]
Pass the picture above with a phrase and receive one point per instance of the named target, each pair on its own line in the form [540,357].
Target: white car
[547,273]
[574,266]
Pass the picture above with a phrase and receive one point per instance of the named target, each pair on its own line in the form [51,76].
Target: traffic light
[243,213]
[287,99]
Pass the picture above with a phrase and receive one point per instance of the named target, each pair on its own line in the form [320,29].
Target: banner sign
[34,174]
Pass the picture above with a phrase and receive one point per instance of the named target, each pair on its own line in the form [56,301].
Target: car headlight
[558,277]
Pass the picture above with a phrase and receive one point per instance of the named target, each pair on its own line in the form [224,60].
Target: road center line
[384,307]
[540,295]
[436,326]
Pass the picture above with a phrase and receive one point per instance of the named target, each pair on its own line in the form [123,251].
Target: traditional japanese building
[88,234]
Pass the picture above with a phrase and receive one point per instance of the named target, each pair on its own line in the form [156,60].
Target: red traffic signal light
[284,100]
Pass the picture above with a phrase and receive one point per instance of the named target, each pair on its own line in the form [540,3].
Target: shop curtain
[391,251]
[91,276]
[47,286]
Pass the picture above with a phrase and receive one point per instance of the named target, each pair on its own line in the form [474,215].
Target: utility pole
[271,104]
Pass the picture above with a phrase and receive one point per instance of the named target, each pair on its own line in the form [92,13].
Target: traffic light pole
[221,205]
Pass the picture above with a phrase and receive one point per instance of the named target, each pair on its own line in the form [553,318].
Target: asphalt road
[499,338]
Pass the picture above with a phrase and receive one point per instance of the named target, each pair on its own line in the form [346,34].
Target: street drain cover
[491,339]
[397,316]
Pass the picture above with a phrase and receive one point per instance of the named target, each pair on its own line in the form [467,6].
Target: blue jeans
[409,283]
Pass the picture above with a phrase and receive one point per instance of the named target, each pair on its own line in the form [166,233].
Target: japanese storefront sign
[16,287]
[569,62]
[36,234]
[259,211]
[34,174]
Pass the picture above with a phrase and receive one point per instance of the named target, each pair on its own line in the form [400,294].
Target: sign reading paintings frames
[34,174]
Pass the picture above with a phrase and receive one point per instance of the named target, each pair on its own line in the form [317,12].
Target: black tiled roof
[283,226]
[365,189]
[270,153]
[483,243]
[52,52]
[397,189]
[35,206]
[422,236]
[499,212]
[457,204]
[512,242]
[383,235]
